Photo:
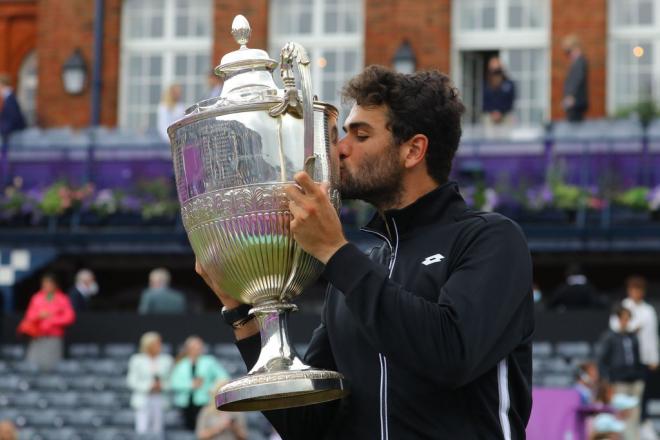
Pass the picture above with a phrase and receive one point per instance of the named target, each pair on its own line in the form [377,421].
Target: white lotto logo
[433,259]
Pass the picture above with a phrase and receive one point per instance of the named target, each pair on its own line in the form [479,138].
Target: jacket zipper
[384,425]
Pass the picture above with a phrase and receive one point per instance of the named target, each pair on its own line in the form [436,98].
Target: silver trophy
[233,156]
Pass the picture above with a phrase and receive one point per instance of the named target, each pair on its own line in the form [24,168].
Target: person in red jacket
[47,315]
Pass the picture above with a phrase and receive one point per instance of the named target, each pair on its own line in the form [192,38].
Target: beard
[378,180]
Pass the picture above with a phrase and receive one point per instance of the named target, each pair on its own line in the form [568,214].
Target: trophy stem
[277,353]
[279,379]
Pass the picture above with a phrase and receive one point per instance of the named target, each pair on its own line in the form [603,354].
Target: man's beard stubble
[378,181]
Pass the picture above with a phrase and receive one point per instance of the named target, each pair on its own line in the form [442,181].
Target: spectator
[47,315]
[587,382]
[213,424]
[575,100]
[499,94]
[606,427]
[84,290]
[619,362]
[11,118]
[644,321]
[8,430]
[159,297]
[170,109]
[215,85]
[147,379]
[192,379]
[576,292]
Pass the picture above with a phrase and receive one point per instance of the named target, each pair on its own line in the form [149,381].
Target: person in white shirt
[170,109]
[645,322]
[148,373]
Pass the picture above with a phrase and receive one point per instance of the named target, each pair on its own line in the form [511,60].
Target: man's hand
[315,224]
[251,328]
[196,383]
[226,300]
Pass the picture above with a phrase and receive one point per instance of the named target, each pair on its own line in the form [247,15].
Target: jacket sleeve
[306,422]
[136,378]
[179,381]
[32,312]
[144,306]
[605,355]
[65,315]
[479,318]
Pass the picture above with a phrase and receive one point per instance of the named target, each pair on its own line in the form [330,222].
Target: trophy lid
[243,59]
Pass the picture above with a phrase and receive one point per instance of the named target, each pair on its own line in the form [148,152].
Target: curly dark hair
[424,102]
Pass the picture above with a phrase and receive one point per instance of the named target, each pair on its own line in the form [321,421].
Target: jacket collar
[442,205]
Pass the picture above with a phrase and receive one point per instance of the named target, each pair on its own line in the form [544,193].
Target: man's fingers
[306,183]
[294,194]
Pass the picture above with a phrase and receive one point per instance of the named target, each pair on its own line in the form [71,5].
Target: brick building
[149,44]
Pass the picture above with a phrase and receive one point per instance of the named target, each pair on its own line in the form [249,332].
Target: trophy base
[279,390]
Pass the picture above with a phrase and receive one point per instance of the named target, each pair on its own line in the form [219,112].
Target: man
[83,291]
[11,118]
[159,297]
[645,323]
[433,330]
[575,100]
[619,363]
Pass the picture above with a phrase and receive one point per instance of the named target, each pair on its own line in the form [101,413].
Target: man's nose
[344,147]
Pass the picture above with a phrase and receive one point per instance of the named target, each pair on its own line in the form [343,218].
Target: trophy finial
[240,30]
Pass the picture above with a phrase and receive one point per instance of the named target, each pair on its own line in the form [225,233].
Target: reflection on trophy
[233,156]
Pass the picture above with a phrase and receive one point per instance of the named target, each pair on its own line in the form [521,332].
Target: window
[518,32]
[634,53]
[332,33]
[163,42]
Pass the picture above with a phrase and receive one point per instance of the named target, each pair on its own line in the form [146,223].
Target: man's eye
[361,138]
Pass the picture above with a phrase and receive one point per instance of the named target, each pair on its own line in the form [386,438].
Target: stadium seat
[25,368]
[29,399]
[574,349]
[68,367]
[12,382]
[48,382]
[119,351]
[84,351]
[12,352]
[542,349]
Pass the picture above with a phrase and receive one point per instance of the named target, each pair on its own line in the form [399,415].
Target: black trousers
[190,416]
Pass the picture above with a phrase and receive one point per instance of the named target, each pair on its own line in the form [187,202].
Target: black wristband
[231,316]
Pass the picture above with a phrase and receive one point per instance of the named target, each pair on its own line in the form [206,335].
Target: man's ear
[414,150]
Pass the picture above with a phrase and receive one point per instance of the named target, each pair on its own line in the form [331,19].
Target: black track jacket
[433,330]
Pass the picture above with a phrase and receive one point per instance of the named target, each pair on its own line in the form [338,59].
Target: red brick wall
[588,20]
[62,27]
[425,24]
[224,11]
[18,32]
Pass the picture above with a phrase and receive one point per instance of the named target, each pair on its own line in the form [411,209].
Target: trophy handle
[294,57]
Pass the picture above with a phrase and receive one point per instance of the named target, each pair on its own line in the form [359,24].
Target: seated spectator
[8,430]
[84,290]
[192,379]
[587,382]
[160,297]
[576,293]
[619,361]
[47,315]
[606,427]
[213,424]
[147,376]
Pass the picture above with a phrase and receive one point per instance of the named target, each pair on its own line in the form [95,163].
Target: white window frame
[501,38]
[168,46]
[318,40]
[631,33]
